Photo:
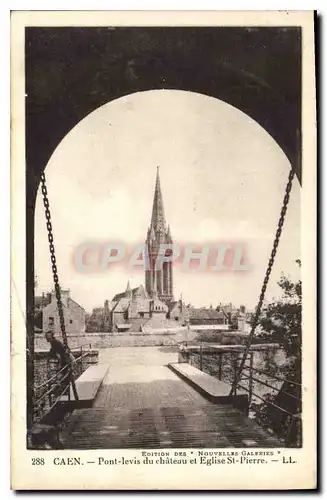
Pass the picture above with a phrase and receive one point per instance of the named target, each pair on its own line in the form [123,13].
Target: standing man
[63,357]
[57,350]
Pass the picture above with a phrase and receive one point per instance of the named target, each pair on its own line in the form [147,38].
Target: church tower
[158,283]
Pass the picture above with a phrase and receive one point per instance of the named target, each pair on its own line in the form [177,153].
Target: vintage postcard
[163,251]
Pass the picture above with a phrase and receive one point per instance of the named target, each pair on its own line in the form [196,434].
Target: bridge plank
[212,389]
[88,384]
[151,407]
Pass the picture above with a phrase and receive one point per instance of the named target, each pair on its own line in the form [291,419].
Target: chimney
[64,297]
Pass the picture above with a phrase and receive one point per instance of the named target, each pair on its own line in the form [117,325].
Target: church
[158,282]
[152,307]
[152,304]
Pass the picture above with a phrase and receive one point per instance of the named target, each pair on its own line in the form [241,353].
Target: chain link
[266,279]
[56,280]
[53,259]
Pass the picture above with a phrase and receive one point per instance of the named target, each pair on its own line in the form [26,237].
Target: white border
[18,205]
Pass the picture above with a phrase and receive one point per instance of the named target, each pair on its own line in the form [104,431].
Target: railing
[51,391]
[274,401]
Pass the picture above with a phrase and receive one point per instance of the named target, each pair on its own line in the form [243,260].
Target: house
[134,304]
[178,311]
[74,314]
[237,317]
[207,316]
[127,310]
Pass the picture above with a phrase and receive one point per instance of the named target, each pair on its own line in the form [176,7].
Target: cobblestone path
[143,404]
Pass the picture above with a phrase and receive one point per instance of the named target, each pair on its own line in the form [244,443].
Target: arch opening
[213,157]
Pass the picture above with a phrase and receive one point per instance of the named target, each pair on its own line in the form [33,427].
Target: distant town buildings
[133,309]
[136,308]
[135,304]
[178,311]
[222,316]
[207,316]
[129,309]
[236,316]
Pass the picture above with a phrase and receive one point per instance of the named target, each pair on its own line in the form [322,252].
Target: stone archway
[70,72]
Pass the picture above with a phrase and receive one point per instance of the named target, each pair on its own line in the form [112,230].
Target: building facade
[74,315]
[133,308]
[207,316]
[128,311]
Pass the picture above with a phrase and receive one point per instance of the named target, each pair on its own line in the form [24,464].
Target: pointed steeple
[158,283]
[158,215]
[128,291]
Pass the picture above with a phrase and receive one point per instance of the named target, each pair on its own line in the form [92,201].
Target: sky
[223,180]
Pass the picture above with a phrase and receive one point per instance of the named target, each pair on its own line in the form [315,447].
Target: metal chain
[266,279]
[53,258]
[56,278]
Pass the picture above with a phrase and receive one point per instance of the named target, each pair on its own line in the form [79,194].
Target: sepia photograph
[164,233]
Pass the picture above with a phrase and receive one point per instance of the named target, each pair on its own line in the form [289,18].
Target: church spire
[158,282]
[158,215]
[128,291]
